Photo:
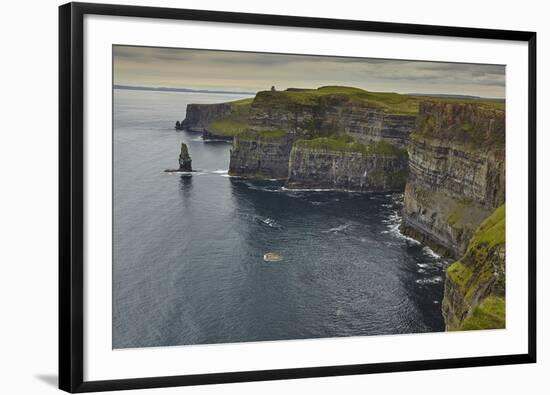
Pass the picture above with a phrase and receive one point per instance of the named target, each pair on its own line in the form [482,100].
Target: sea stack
[185,159]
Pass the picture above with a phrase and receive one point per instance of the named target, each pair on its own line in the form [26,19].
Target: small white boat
[272,257]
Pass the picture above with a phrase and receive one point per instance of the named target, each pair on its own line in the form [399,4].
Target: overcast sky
[244,71]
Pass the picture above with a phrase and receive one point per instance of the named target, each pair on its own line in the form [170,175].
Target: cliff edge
[456,173]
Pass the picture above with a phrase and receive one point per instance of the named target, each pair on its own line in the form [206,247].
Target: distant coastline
[187,90]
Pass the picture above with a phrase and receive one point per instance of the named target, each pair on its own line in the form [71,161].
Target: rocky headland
[446,155]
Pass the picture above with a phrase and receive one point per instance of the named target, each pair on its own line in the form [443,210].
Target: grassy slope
[346,143]
[477,268]
[390,102]
[236,123]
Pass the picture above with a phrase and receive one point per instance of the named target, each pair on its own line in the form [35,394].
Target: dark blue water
[188,251]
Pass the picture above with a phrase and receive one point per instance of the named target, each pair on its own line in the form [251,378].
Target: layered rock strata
[456,173]
[319,168]
[328,114]
[260,157]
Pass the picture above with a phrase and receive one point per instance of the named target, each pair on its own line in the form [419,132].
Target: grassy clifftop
[390,102]
[479,125]
[236,122]
[346,143]
[387,101]
[474,290]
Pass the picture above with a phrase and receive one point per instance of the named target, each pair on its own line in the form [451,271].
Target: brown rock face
[260,158]
[352,171]
[457,173]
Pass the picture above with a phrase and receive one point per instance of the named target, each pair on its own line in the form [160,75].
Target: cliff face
[456,166]
[324,115]
[259,157]
[319,168]
[199,116]
[474,296]
[329,112]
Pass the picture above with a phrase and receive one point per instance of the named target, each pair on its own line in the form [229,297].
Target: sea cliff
[199,116]
[456,173]
[274,132]
[261,155]
[333,164]
[331,110]
[447,156]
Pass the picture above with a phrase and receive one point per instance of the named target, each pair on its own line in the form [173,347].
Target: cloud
[248,70]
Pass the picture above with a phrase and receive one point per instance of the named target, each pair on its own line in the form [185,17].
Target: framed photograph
[253,197]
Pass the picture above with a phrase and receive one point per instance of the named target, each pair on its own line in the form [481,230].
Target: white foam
[338,228]
[423,265]
[433,280]
[431,252]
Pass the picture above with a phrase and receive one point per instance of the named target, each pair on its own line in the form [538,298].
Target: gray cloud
[255,71]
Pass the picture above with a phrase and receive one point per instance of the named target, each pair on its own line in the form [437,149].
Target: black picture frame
[71,195]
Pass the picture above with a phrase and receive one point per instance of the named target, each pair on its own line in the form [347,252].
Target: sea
[188,259]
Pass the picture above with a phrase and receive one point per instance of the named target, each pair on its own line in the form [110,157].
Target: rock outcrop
[185,159]
[474,296]
[456,173]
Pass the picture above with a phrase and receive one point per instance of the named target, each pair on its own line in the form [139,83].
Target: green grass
[242,103]
[274,134]
[492,232]
[479,255]
[481,272]
[390,102]
[489,314]
[474,135]
[228,127]
[235,123]
[460,274]
[346,143]
[497,104]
